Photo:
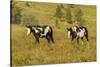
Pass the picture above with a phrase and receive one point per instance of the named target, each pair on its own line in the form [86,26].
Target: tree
[28,19]
[28,4]
[18,15]
[58,15]
[15,13]
[68,15]
[62,6]
[79,16]
[71,5]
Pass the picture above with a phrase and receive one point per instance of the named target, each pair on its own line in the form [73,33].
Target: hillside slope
[25,52]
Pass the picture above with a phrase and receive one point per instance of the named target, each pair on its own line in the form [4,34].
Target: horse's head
[29,29]
[34,29]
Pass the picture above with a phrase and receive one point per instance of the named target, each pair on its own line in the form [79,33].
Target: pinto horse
[77,33]
[41,32]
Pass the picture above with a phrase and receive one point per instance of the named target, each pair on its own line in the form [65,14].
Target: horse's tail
[51,34]
[86,34]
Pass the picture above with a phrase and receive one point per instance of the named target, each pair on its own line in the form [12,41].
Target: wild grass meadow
[26,52]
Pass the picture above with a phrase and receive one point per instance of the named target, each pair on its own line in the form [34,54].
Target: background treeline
[33,13]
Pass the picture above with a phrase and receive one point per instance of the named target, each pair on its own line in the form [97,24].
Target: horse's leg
[51,36]
[82,40]
[48,38]
[52,39]
[37,39]
[72,40]
[86,36]
[77,40]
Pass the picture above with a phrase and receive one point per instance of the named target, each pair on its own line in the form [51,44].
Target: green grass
[25,52]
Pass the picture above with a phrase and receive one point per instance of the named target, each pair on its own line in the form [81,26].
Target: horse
[38,31]
[76,32]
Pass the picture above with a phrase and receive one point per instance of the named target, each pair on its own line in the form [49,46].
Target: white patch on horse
[36,31]
[28,31]
[74,28]
[47,29]
[41,29]
[84,31]
[80,33]
[68,34]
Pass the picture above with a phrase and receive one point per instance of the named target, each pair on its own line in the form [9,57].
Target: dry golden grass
[25,52]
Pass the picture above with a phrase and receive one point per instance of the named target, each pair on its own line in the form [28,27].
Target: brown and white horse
[77,33]
[41,32]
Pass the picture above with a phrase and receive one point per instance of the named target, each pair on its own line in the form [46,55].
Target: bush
[79,16]
[68,15]
[29,20]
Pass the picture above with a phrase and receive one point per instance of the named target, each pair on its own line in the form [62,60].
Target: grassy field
[25,52]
